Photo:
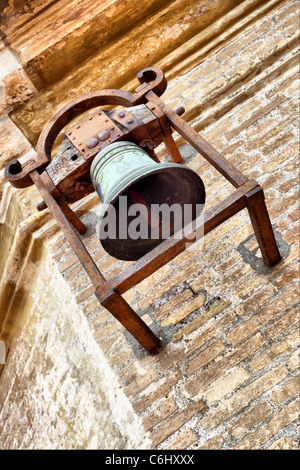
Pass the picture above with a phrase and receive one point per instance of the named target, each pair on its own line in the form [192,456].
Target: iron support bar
[261,223]
[123,312]
[170,248]
[198,143]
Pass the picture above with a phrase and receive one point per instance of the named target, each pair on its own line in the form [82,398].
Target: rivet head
[92,142]
[121,115]
[103,135]
[129,121]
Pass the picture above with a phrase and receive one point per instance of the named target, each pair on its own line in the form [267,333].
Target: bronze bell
[144,202]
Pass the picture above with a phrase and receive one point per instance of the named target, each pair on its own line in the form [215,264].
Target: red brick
[283,324]
[205,357]
[281,420]
[183,440]
[141,381]
[165,409]
[195,385]
[244,397]
[270,312]
[173,424]
[163,388]
[173,303]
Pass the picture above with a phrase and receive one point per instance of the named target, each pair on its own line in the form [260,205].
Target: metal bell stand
[148,122]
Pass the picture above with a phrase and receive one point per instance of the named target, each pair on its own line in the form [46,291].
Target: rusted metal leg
[122,311]
[153,155]
[262,226]
[226,169]
[70,215]
[71,235]
[111,300]
[173,149]
[73,219]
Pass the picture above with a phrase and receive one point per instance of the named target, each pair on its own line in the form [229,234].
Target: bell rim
[137,176]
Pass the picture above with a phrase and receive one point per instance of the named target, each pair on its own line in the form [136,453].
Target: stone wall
[226,377]
[57,389]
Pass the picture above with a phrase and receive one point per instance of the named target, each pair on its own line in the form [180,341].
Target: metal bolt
[180,110]
[69,133]
[103,135]
[121,115]
[14,167]
[87,154]
[92,142]
[80,186]
[112,128]
[90,118]
[77,127]
[41,206]
[129,121]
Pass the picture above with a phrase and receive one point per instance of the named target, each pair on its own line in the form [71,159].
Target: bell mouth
[151,206]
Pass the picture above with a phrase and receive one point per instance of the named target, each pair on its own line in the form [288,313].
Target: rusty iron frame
[248,194]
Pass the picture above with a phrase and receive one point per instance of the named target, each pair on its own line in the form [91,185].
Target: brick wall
[226,377]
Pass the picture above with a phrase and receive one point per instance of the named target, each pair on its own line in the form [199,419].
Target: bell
[144,202]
